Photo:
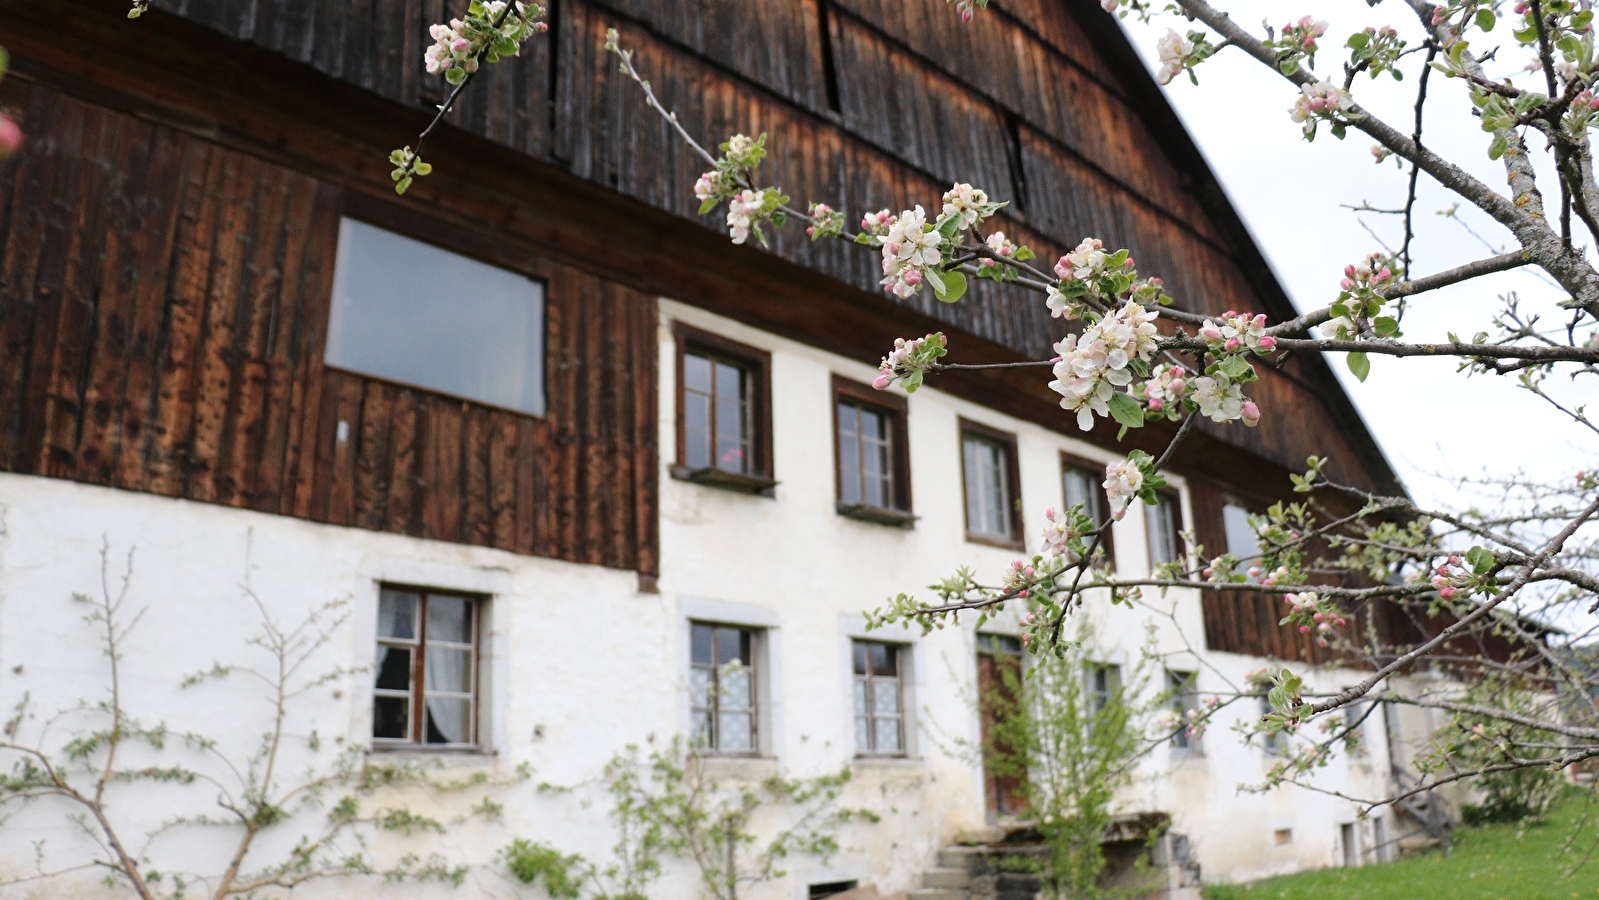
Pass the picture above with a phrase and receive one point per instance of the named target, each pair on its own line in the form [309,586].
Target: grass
[1495,862]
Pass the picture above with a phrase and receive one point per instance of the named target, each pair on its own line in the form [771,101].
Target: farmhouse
[561,453]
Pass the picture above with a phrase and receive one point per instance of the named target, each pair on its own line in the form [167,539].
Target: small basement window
[829,889]
[413,313]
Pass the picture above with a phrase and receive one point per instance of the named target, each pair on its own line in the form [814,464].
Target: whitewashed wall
[578,663]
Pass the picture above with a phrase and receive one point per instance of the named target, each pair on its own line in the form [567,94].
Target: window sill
[738,767]
[730,481]
[412,752]
[995,541]
[895,518]
[885,761]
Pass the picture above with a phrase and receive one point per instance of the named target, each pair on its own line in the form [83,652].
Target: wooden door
[999,680]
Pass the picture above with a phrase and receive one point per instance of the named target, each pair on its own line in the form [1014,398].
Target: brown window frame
[757,364]
[418,690]
[1183,688]
[1176,524]
[894,410]
[1107,540]
[899,652]
[754,636]
[1013,486]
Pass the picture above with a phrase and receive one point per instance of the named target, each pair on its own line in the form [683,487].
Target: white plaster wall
[579,663]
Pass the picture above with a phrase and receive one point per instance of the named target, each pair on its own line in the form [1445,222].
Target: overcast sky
[1430,420]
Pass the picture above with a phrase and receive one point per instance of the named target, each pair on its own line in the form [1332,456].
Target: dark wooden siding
[163,307]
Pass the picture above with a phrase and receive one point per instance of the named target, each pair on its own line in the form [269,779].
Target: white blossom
[1123,480]
[909,248]
[965,204]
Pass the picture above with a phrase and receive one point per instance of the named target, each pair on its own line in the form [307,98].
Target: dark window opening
[1018,169]
[425,685]
[818,891]
[824,26]
[1163,525]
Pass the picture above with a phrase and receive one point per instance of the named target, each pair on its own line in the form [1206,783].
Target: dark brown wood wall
[163,308]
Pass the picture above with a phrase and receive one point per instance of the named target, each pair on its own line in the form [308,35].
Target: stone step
[946,878]
[938,894]
[956,858]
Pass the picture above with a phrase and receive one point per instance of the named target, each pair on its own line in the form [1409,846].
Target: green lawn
[1497,862]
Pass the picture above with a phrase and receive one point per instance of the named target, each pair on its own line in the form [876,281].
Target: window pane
[735,732]
[449,720]
[417,314]
[699,687]
[393,669]
[849,455]
[1082,486]
[696,373]
[696,431]
[704,734]
[397,614]
[1241,540]
[391,718]
[730,424]
[858,649]
[1161,526]
[860,698]
[702,646]
[998,492]
[974,493]
[732,644]
[449,619]
[448,669]
[884,660]
[737,687]
[885,696]
[863,735]
[887,734]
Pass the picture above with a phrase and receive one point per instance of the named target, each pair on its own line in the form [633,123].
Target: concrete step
[946,878]
[938,894]
[956,858]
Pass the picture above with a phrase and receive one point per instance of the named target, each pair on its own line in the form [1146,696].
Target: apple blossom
[1238,332]
[966,205]
[1173,50]
[1059,532]
[1321,100]
[825,222]
[1093,364]
[1218,397]
[488,32]
[1123,480]
[911,247]
[1163,391]
[909,361]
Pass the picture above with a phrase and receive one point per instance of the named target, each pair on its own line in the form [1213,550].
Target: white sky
[1429,419]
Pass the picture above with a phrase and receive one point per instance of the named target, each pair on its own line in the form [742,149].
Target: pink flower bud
[1385,274]
[1349,270]
[1210,333]
[1443,570]
[893,248]
[1346,284]
[10,137]
[1267,342]
[1267,582]
[1206,571]
[1454,560]
[912,277]
[1231,345]
[1251,413]
[1178,385]
[1318,617]
[1259,321]
[1304,629]
[1156,403]
[1254,571]
[809,230]
[1446,593]
[1341,623]
[1229,314]
[882,381]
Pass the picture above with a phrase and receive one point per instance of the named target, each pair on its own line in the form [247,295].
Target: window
[722,688]
[831,888]
[1162,523]
[1104,684]
[1270,741]
[401,312]
[723,414]
[993,503]
[1242,542]
[1084,483]
[879,696]
[872,465]
[1183,699]
[425,692]
[1355,714]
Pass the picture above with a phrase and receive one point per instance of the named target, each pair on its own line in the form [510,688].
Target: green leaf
[954,286]
[708,205]
[1124,409]
[1486,19]
[1498,146]
[404,183]
[1481,559]
[1387,326]
[1358,40]
[1359,364]
[935,280]
[948,226]
[1236,368]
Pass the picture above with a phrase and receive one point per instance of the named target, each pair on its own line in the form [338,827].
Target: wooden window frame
[1097,701]
[1013,487]
[1176,500]
[1107,540]
[895,410]
[756,635]
[900,652]
[757,364]
[418,690]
